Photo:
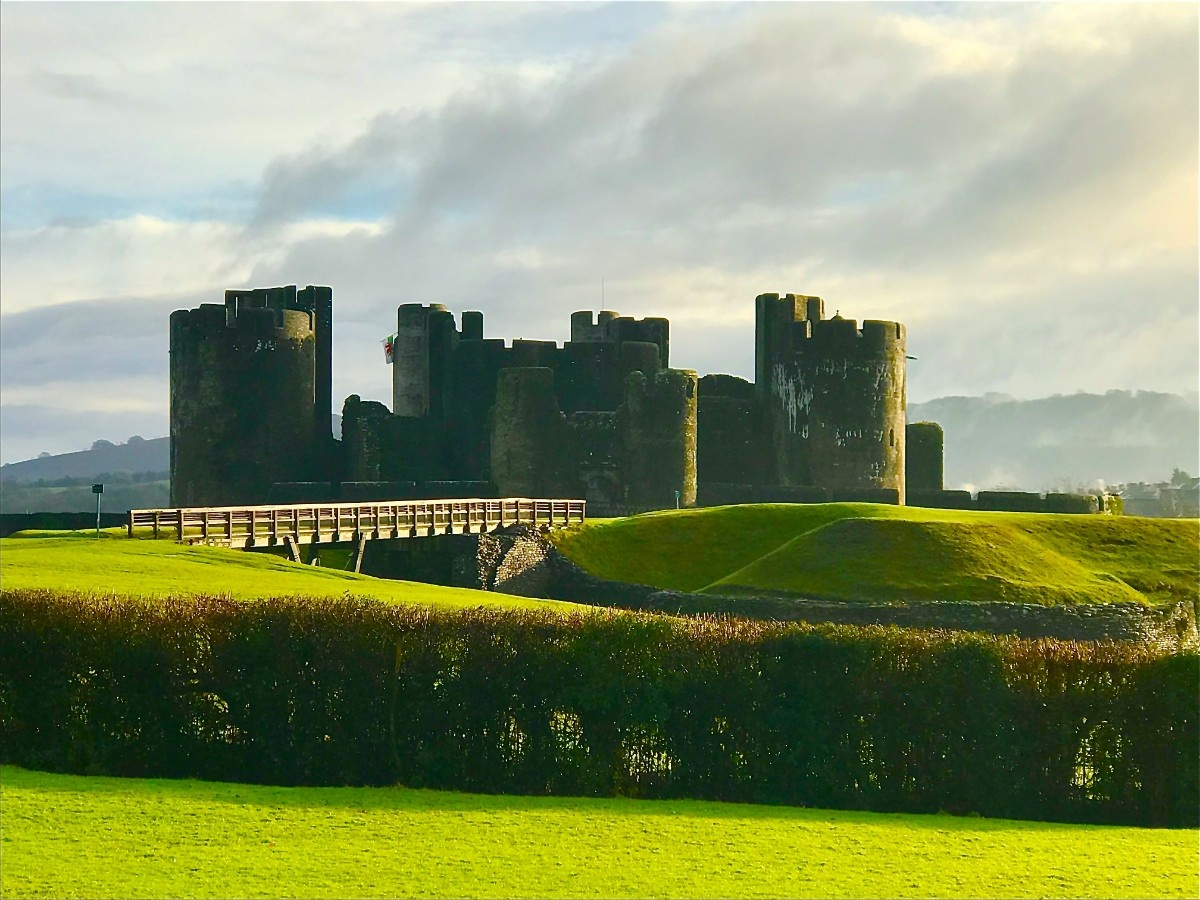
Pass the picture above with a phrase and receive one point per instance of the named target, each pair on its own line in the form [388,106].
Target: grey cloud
[89,341]
[296,184]
[81,88]
[797,147]
[678,154]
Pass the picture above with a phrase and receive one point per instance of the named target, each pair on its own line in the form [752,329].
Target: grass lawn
[861,551]
[77,560]
[70,836]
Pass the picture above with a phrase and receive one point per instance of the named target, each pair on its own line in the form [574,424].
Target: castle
[603,417]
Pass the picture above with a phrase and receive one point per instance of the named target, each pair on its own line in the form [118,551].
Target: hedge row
[301,691]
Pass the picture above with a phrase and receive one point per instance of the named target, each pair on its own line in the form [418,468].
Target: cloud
[926,169]
[1015,182]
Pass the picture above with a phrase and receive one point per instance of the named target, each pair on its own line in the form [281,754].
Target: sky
[1017,183]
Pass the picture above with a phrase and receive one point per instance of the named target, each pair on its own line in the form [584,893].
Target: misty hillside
[133,457]
[137,455]
[1064,441]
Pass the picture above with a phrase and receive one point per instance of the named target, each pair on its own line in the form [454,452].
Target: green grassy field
[78,561]
[859,551]
[70,836]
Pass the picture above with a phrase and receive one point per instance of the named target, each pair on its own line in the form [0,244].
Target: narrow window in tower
[891,437]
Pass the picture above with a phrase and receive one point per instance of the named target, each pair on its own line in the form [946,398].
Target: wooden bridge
[311,523]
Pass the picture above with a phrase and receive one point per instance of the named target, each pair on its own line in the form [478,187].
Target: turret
[421,359]
[834,396]
[250,394]
[658,427]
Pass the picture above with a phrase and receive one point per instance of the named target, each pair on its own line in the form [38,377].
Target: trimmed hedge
[302,691]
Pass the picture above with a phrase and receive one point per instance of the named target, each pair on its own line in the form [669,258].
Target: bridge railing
[248,526]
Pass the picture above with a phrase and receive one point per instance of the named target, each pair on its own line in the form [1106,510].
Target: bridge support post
[293,548]
[360,547]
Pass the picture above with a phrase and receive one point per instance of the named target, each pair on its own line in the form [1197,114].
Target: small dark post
[97,489]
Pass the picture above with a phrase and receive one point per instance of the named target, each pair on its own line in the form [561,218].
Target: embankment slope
[78,561]
[875,553]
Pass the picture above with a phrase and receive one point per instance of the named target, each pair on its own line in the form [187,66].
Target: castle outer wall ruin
[602,417]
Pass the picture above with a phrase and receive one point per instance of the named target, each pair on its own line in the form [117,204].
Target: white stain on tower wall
[794,396]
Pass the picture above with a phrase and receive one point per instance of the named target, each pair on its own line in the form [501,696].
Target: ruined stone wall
[597,443]
[924,456]
[532,452]
[363,438]
[590,376]
[244,398]
[379,446]
[731,440]
[940,499]
[728,494]
[731,493]
[773,319]
[477,365]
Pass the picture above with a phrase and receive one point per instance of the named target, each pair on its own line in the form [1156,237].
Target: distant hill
[1065,441]
[135,476]
[134,456]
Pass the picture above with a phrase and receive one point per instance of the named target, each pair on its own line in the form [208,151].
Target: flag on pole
[388,344]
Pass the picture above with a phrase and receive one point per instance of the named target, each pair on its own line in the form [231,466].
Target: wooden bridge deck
[318,523]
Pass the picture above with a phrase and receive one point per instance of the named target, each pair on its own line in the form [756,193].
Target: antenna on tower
[601,293]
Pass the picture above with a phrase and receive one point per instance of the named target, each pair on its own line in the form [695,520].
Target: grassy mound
[869,552]
[67,836]
[78,561]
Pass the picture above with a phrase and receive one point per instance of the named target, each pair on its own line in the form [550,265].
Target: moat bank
[522,561]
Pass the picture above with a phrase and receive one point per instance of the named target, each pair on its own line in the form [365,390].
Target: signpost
[97,489]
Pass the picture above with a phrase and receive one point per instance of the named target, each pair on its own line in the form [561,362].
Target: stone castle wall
[604,419]
[924,453]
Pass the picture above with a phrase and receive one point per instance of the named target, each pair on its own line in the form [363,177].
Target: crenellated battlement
[845,336]
[610,326]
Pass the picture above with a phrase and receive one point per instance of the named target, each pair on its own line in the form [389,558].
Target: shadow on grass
[420,801]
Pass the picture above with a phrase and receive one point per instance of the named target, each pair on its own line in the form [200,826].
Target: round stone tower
[244,392]
[658,429]
[835,397]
